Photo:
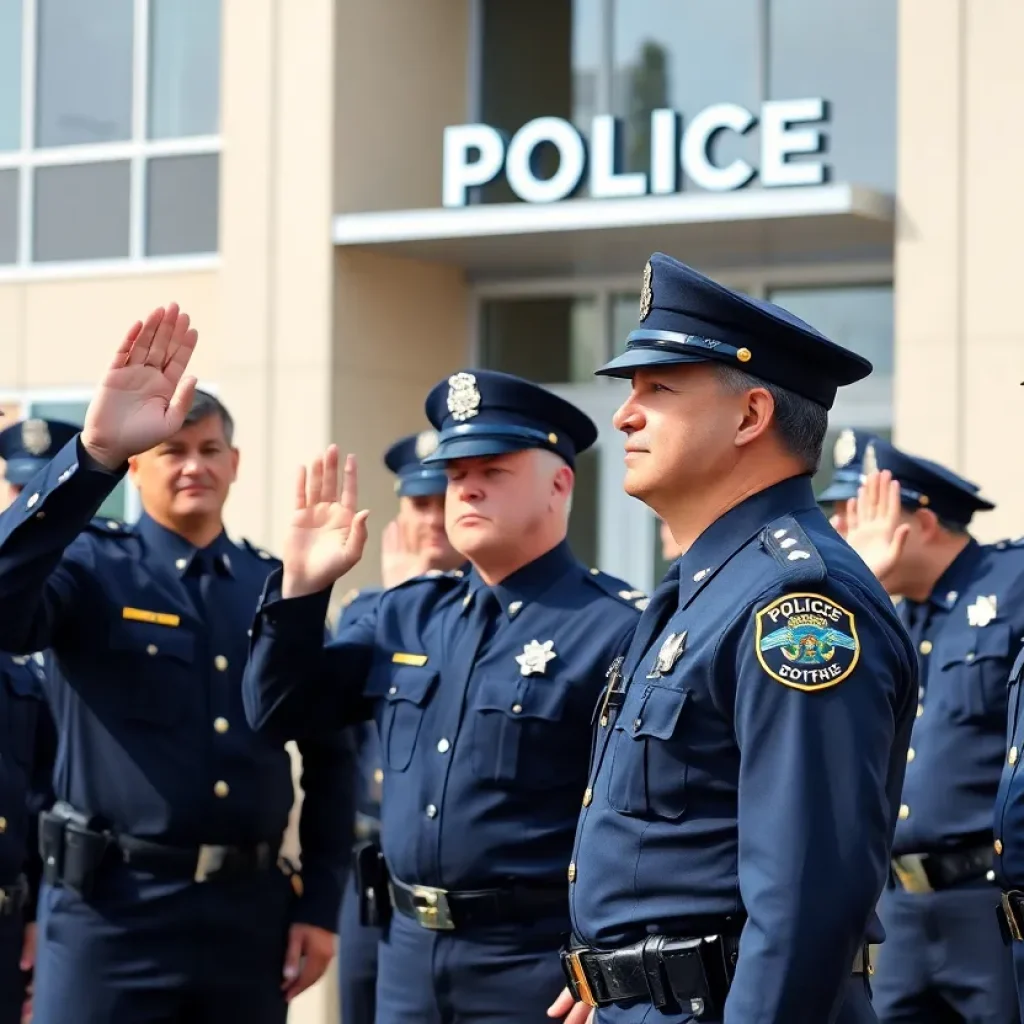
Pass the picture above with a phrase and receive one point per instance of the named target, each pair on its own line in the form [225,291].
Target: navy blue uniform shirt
[149,637]
[484,751]
[752,758]
[967,634]
[27,746]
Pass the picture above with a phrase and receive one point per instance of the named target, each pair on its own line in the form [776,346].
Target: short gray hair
[205,405]
[800,423]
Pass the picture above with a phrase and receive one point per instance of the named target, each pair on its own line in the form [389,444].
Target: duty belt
[13,897]
[932,872]
[691,974]
[444,910]
[202,863]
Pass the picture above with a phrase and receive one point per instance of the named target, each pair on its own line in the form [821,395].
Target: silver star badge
[671,649]
[535,657]
[983,611]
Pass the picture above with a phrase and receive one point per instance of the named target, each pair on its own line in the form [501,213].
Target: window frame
[138,151]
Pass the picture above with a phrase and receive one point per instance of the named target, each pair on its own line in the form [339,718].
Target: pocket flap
[655,715]
[395,682]
[525,697]
[979,644]
[152,641]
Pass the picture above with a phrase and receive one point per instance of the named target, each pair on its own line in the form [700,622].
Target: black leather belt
[932,872]
[443,910]
[687,975]
[13,897]
[202,863]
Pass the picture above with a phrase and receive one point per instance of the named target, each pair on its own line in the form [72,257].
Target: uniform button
[3,825]
[998,846]
[220,663]
[969,656]
[443,746]
[920,710]
[572,872]
[40,514]
[588,795]
[926,647]
[220,724]
[990,876]
[180,563]
[637,722]
[1013,755]
[392,691]
[604,721]
[33,501]
[910,755]
[220,787]
[904,812]
[517,709]
[431,811]
[152,649]
[378,775]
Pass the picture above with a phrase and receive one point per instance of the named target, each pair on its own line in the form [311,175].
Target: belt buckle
[209,862]
[578,977]
[1012,921]
[432,909]
[909,869]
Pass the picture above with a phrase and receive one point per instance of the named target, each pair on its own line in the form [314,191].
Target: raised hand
[873,527]
[327,534]
[399,560]
[143,398]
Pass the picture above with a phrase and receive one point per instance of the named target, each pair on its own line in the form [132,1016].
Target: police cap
[29,445]
[404,459]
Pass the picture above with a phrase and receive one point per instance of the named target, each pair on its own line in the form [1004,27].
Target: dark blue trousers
[148,951]
[856,1009]
[943,960]
[12,981]
[357,962]
[507,975]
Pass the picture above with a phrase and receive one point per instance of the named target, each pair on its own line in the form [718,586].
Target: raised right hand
[143,398]
[327,534]
[873,527]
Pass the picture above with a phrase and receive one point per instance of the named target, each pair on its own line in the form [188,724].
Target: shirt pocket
[155,669]
[647,774]
[975,664]
[403,693]
[516,730]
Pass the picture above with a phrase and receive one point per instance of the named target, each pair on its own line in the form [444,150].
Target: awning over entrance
[755,227]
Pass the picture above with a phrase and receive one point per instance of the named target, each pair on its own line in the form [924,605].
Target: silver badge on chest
[535,657]
[671,651]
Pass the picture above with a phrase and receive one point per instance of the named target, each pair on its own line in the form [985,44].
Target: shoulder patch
[618,589]
[786,541]
[260,553]
[110,527]
[807,641]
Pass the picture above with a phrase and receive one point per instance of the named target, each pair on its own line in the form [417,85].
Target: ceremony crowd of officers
[781,789]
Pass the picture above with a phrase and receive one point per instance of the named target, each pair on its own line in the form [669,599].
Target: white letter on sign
[572,158]
[458,172]
[778,141]
[696,162]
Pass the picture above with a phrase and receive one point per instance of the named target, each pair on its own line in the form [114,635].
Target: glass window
[846,53]
[685,55]
[82,212]
[549,340]
[84,75]
[182,201]
[9,216]
[10,75]
[184,68]
[583,519]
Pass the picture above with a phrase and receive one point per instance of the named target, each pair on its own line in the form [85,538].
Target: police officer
[415,542]
[482,684]
[27,747]
[963,604]
[847,474]
[750,748]
[163,896]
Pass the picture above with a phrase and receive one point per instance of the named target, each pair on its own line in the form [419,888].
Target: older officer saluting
[750,750]
[963,604]
[27,748]
[163,899]
[414,542]
[483,685]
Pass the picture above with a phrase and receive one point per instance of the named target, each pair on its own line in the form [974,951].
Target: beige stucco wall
[959,342]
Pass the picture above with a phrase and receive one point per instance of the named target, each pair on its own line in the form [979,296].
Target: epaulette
[110,527]
[437,576]
[618,589]
[261,553]
[1003,545]
[795,552]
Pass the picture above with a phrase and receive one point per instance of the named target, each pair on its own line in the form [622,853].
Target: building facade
[353,198]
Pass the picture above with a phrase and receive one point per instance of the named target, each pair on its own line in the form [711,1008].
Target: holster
[72,849]
[370,874]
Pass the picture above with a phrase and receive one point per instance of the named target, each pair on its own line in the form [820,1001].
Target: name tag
[158,618]
[408,659]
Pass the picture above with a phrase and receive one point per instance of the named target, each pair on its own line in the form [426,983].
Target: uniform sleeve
[819,705]
[292,682]
[39,586]
[326,825]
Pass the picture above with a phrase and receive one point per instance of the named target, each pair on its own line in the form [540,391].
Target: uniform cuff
[278,614]
[320,900]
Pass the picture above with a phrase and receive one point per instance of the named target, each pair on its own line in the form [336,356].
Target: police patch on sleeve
[807,641]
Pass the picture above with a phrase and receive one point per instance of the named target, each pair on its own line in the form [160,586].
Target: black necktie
[663,605]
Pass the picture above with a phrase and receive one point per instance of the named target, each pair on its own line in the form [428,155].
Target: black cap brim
[420,487]
[20,471]
[837,492]
[634,359]
[470,447]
